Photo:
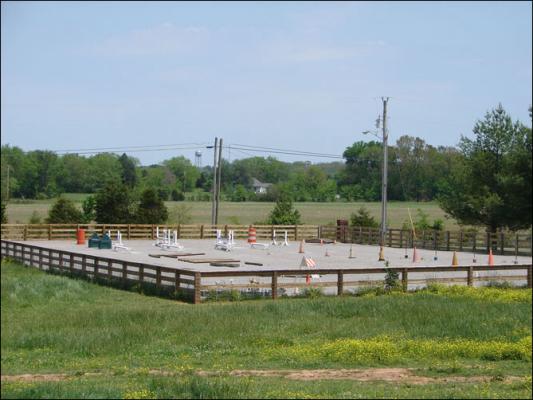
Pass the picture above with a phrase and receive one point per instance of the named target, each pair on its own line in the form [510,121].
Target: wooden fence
[500,243]
[190,282]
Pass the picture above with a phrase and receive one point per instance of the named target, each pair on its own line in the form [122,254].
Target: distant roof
[258,183]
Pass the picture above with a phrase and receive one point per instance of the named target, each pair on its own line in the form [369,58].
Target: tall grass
[53,323]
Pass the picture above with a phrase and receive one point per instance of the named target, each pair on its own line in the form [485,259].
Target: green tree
[114,204]
[64,211]
[363,218]
[151,209]
[492,186]
[283,213]
[129,175]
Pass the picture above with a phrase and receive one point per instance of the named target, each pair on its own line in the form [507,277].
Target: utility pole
[384,178]
[219,179]
[213,200]
[7,192]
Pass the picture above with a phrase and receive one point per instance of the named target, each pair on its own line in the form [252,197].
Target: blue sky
[292,75]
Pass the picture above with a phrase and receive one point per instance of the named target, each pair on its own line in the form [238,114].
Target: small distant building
[260,187]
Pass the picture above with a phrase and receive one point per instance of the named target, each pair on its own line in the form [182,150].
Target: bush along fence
[476,242]
[196,285]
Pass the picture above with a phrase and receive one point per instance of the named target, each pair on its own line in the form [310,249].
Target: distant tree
[3,217]
[176,195]
[64,211]
[363,218]
[239,193]
[492,187]
[283,213]
[129,176]
[114,205]
[151,210]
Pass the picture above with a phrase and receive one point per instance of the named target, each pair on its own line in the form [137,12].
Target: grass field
[251,212]
[146,347]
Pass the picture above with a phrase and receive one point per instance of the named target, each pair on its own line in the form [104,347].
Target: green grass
[251,212]
[54,324]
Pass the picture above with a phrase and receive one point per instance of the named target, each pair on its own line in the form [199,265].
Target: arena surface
[288,257]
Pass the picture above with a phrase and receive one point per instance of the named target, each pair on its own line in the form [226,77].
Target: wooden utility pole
[219,179]
[213,200]
[384,178]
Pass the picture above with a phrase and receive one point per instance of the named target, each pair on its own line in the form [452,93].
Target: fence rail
[190,282]
[500,242]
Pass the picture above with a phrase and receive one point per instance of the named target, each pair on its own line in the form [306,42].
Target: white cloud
[162,39]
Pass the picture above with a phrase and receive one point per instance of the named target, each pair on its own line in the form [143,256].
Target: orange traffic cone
[381,254]
[416,257]
[491,258]
[455,263]
[308,279]
[301,247]
[321,242]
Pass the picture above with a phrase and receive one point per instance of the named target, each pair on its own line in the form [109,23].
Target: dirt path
[395,375]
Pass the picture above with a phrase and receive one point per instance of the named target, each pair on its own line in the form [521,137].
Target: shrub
[180,214]
[64,211]
[391,281]
[363,218]
[35,218]
[283,213]
[88,207]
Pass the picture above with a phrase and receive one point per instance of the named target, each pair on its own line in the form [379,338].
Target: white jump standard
[168,240]
[225,243]
[284,243]
[118,244]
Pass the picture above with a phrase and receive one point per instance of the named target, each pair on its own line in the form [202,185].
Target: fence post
[197,282]
[179,231]
[60,261]
[474,242]
[129,231]
[340,282]
[49,232]
[529,276]
[424,239]
[124,272]
[435,239]
[158,277]
[40,258]
[153,232]
[109,270]
[70,263]
[177,280]
[470,276]
[295,232]
[390,238]
[447,240]
[202,231]
[502,243]
[25,232]
[226,230]
[404,279]
[84,264]
[274,285]
[516,245]
[401,238]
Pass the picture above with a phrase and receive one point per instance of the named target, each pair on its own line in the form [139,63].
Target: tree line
[485,180]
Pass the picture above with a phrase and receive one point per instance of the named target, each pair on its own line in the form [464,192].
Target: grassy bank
[53,324]
[251,212]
